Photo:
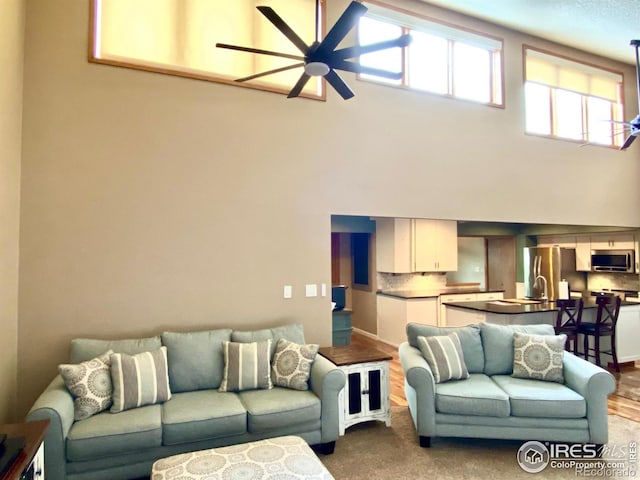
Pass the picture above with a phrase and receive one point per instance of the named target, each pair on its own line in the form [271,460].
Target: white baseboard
[373,336]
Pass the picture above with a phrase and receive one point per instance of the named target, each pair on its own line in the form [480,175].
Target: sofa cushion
[534,398]
[538,356]
[444,355]
[196,360]
[279,408]
[497,341]
[140,379]
[201,415]
[293,332]
[247,366]
[109,434]
[477,395]
[291,365]
[83,349]
[90,384]
[469,336]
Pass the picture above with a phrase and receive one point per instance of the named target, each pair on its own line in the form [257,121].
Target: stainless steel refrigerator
[546,267]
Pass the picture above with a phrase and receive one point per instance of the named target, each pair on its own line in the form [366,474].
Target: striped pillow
[138,380]
[444,356]
[247,366]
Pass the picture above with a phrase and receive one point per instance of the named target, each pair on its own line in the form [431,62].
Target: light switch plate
[323,289]
[311,290]
[288,291]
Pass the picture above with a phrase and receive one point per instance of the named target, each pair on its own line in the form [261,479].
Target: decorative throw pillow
[444,356]
[141,379]
[538,356]
[90,384]
[247,366]
[292,364]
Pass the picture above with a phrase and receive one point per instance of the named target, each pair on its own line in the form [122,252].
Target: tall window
[441,58]
[179,37]
[572,100]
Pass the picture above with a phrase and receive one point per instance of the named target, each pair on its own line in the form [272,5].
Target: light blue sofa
[493,404]
[119,446]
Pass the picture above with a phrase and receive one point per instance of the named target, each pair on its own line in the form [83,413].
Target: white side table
[365,396]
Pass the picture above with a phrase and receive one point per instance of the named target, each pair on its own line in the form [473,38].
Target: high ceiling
[604,27]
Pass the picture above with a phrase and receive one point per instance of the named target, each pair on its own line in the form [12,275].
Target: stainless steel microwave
[612,261]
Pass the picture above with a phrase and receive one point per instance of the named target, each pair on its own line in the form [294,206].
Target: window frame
[617,138]
[94,58]
[496,84]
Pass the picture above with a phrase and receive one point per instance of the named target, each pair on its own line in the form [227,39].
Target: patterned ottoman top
[281,458]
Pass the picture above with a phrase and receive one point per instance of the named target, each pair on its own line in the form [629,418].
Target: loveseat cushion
[83,349]
[497,341]
[110,434]
[279,408]
[477,395]
[535,398]
[469,336]
[201,415]
[196,360]
[293,332]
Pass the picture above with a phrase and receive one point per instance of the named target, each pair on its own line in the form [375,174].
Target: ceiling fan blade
[342,27]
[358,50]
[338,84]
[357,68]
[628,142]
[258,50]
[297,89]
[269,72]
[281,25]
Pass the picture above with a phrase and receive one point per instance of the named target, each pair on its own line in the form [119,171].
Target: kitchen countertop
[505,308]
[410,294]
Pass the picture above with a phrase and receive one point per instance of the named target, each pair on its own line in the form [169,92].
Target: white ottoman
[278,458]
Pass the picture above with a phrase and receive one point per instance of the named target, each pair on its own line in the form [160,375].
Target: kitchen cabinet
[463,297]
[607,241]
[563,241]
[394,313]
[583,254]
[405,245]
[627,334]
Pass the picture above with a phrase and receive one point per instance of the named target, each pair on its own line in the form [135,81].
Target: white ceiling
[604,27]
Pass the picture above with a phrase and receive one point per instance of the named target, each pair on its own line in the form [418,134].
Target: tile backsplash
[619,281]
[411,281]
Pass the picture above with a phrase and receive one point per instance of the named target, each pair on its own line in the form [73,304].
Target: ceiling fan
[634,125]
[321,59]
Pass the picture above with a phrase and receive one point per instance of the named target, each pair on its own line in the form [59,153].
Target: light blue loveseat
[118,446]
[493,404]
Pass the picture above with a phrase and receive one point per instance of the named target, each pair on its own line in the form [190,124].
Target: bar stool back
[568,320]
[605,326]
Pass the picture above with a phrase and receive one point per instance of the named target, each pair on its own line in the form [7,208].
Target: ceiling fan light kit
[634,125]
[320,58]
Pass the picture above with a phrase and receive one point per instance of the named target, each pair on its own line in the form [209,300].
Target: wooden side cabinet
[365,396]
[29,464]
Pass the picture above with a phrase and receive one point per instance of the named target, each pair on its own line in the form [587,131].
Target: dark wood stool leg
[596,345]
[586,347]
[614,354]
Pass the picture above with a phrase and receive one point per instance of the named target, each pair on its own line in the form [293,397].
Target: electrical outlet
[288,291]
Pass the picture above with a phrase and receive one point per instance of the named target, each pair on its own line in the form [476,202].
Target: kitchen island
[523,312]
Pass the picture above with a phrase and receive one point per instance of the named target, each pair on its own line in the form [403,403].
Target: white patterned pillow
[90,384]
[141,379]
[444,355]
[538,356]
[247,366]
[291,365]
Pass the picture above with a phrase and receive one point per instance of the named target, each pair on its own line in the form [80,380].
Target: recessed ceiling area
[603,27]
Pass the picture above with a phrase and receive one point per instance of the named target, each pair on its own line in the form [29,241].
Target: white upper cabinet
[563,241]
[583,254]
[606,241]
[406,245]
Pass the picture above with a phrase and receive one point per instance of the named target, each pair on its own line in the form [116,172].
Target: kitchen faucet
[545,291]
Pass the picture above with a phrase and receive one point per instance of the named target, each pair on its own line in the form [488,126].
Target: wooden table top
[33,434]
[351,354]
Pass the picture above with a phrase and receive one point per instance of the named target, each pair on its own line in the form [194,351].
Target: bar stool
[605,326]
[568,320]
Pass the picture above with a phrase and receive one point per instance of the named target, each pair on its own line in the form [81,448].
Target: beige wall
[153,202]
[11,62]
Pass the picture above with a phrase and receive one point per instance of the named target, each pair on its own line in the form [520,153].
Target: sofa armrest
[326,382]
[420,389]
[594,384]
[56,405]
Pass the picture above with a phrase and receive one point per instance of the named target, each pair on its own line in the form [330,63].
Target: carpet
[629,385]
[372,451]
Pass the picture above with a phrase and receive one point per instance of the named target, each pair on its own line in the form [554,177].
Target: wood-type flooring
[618,405]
